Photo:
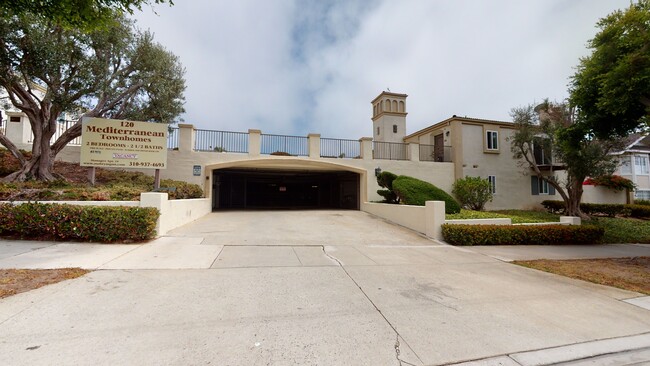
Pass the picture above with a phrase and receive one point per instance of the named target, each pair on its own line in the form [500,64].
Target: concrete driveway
[301,288]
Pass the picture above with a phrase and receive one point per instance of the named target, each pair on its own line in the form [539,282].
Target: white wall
[594,194]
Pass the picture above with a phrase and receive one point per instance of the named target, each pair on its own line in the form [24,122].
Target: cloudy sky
[294,67]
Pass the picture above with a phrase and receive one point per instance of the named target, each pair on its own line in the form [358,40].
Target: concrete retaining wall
[428,219]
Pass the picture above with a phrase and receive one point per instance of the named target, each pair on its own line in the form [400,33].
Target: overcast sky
[294,67]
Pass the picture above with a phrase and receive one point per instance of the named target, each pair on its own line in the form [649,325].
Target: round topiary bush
[412,191]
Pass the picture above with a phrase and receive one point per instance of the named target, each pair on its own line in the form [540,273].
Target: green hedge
[606,209]
[521,234]
[412,191]
[83,223]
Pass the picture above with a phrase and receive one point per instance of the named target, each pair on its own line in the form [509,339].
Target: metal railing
[440,154]
[284,145]
[390,150]
[172,138]
[339,148]
[221,141]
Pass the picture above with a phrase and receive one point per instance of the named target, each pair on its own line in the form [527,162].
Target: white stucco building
[249,170]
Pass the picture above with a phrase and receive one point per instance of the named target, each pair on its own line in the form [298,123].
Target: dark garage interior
[284,189]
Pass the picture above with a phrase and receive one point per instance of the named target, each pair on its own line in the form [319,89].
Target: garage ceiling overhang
[286,163]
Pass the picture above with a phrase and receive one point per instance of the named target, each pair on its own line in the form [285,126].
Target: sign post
[124,144]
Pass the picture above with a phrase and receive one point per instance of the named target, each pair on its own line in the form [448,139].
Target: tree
[611,87]
[473,192]
[80,14]
[113,72]
[557,128]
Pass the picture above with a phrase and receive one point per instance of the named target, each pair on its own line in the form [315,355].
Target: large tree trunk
[573,200]
[39,167]
[41,164]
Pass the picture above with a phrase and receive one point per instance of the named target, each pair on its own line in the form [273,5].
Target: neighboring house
[481,148]
[634,164]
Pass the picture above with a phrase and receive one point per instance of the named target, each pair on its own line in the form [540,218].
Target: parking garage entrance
[284,189]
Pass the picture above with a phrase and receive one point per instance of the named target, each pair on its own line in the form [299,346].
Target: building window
[541,186]
[641,164]
[493,183]
[626,165]
[14,119]
[492,142]
[394,128]
[377,130]
[642,194]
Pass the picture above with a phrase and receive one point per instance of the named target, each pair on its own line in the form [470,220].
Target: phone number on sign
[146,164]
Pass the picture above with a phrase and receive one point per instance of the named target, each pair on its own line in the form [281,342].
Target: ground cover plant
[73,185]
[622,230]
[631,274]
[15,281]
[517,216]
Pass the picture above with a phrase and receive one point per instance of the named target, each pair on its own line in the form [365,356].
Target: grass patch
[517,216]
[622,230]
[15,281]
[631,274]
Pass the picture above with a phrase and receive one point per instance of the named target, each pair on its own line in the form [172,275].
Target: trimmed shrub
[521,234]
[637,210]
[80,223]
[602,209]
[412,191]
[472,192]
[607,209]
[556,207]
[642,202]
[385,179]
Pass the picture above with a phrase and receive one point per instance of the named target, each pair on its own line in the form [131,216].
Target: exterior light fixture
[377,171]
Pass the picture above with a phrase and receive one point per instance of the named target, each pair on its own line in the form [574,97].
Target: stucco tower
[389,117]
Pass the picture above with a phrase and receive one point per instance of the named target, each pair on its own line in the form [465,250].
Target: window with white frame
[641,164]
[492,140]
[493,183]
[626,165]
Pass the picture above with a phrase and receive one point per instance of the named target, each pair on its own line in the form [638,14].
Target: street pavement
[313,288]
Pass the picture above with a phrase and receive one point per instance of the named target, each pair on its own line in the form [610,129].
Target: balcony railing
[436,153]
[284,145]
[390,150]
[221,141]
[172,138]
[339,148]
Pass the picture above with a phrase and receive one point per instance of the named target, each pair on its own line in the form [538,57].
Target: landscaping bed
[110,185]
[15,281]
[631,274]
